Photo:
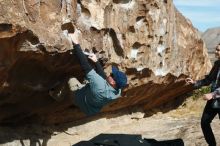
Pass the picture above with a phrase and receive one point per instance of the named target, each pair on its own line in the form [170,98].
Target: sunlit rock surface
[149,40]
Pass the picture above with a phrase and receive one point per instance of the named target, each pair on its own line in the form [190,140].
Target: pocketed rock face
[149,40]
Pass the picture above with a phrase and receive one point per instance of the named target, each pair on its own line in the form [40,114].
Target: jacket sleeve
[100,70]
[82,59]
[208,78]
[216,93]
[204,82]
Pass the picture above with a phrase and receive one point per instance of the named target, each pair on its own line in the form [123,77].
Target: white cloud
[202,16]
[202,13]
[196,3]
[198,17]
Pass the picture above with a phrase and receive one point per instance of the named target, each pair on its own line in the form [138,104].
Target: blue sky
[203,14]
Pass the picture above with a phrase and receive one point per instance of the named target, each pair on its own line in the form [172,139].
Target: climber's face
[217,52]
[111,81]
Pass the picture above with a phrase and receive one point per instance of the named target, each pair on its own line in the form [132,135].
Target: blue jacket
[95,94]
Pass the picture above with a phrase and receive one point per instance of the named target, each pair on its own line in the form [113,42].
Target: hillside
[211,38]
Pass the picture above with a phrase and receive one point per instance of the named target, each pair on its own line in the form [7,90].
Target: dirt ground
[183,122]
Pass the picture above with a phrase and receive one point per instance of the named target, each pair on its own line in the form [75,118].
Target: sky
[203,14]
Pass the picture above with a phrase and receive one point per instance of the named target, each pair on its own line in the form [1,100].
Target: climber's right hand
[93,57]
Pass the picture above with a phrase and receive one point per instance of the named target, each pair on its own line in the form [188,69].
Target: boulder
[149,40]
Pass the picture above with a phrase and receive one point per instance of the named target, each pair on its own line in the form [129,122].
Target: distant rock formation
[211,38]
[149,40]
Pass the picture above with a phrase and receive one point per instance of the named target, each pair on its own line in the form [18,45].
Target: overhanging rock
[149,40]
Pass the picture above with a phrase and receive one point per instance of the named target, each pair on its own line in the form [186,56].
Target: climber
[100,89]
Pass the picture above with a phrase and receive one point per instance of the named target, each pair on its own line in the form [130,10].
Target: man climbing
[100,89]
